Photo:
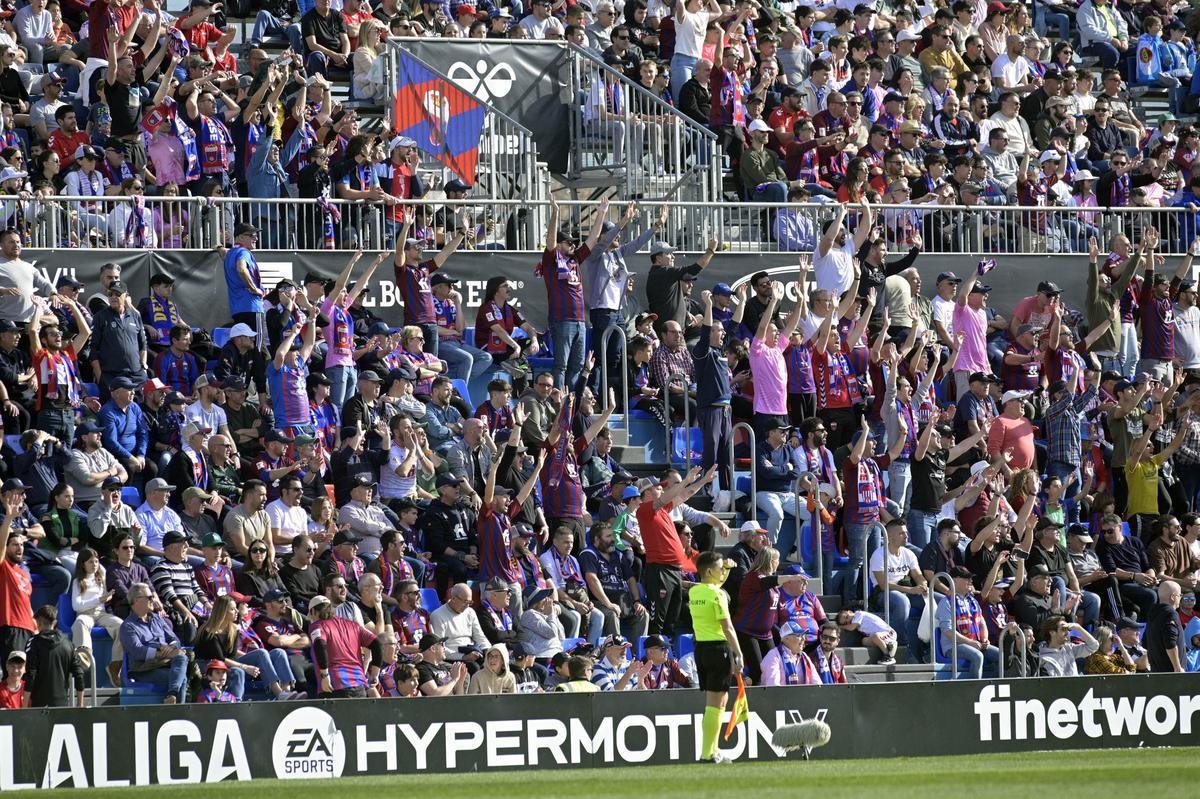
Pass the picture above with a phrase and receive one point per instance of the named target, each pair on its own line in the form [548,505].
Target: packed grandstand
[296,496]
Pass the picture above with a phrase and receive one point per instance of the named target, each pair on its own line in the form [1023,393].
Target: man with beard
[611,585]
[450,534]
[824,655]
[59,392]
[119,347]
[300,575]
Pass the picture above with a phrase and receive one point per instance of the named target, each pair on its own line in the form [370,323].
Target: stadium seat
[684,645]
[138,693]
[221,335]
[92,389]
[679,446]
[132,496]
[463,391]
[14,443]
[430,599]
[571,643]
[942,669]
[469,336]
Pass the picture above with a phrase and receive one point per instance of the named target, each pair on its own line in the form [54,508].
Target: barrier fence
[199,223]
[156,744]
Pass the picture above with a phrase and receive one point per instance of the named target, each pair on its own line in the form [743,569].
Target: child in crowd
[215,674]
[12,690]
[874,630]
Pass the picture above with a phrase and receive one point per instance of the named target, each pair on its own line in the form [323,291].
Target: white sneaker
[723,502]
[720,757]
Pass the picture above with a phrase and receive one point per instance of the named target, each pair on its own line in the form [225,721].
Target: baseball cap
[241,329]
[1049,155]
[1009,396]
[722,290]
[212,665]
[983,377]
[495,584]
[1048,287]
[212,540]
[346,537]
[174,537]
[961,572]
[1126,623]
[13,484]
[791,628]
[192,492]
[429,640]
[660,247]
[981,288]
[154,384]
[953,278]
[629,493]
[752,527]
[159,484]
[447,480]
[275,595]
[67,281]
[656,642]
[758,126]
[1080,532]
[191,428]
[615,640]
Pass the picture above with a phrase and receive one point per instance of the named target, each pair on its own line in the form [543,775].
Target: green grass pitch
[1119,772]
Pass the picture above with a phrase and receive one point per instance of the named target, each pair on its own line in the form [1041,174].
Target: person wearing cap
[243,283]
[450,534]
[214,575]
[287,381]
[435,676]
[1157,314]
[119,341]
[124,430]
[148,640]
[215,675]
[12,690]
[494,526]
[970,320]
[560,269]
[156,519]
[463,361]
[613,670]
[787,663]
[760,169]
[337,644]
[664,671]
[960,618]
[413,280]
[241,357]
[665,282]
[175,583]
[1048,551]
[205,413]
[1012,433]
[1086,564]
[339,360]
[160,314]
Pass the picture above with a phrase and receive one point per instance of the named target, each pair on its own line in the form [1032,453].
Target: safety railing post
[814,525]
[1019,637]
[733,467]
[619,332]
[953,621]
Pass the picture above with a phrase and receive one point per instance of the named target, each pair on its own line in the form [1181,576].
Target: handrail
[814,522]
[733,468]
[1020,636]
[953,620]
[687,417]
[881,533]
[624,373]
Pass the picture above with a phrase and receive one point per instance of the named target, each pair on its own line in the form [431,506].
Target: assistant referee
[718,656]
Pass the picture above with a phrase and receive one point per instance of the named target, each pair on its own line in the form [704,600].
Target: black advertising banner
[155,744]
[201,294]
[524,82]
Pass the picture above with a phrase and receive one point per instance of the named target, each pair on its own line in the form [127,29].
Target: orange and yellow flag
[741,708]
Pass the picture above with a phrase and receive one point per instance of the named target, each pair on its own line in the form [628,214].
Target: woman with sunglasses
[260,574]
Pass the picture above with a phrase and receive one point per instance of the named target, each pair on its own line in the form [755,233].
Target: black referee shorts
[714,665]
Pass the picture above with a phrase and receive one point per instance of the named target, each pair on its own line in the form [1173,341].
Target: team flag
[445,121]
[741,708]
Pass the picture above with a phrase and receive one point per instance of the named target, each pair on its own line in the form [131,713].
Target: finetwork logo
[486,84]
[1002,718]
[308,745]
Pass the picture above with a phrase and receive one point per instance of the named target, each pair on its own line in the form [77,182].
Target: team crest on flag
[445,121]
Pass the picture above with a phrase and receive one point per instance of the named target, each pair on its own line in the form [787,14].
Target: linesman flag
[741,708]
[441,118]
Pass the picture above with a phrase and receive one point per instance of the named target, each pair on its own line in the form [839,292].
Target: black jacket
[52,665]
[448,527]
[695,101]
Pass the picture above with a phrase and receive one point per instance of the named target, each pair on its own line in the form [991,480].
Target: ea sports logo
[308,745]
[483,83]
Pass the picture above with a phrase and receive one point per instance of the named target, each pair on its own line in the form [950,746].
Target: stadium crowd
[265,518]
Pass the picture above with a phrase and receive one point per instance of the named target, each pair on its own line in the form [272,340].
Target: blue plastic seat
[942,667]
[138,693]
[571,643]
[93,389]
[464,391]
[132,496]
[679,446]
[430,599]
[14,443]
[221,336]
[685,645]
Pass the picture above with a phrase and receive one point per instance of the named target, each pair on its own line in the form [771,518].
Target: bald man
[1164,632]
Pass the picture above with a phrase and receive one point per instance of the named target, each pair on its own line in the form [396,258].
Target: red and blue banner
[441,118]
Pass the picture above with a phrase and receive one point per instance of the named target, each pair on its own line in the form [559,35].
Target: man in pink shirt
[970,321]
[767,363]
[1012,433]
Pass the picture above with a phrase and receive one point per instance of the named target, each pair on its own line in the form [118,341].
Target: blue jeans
[602,319]
[464,362]
[1130,351]
[900,484]
[272,663]
[682,68]
[569,338]
[1176,90]
[769,192]
[173,677]
[432,345]
[1109,56]
[776,506]
[977,662]
[922,527]
[268,26]
[344,381]
[904,615]
[1043,19]
[856,537]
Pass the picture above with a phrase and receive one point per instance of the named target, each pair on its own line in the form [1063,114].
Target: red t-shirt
[11,700]
[66,144]
[658,535]
[344,640]
[100,15]
[16,591]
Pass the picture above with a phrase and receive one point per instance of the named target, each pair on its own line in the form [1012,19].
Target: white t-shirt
[690,32]
[290,522]
[214,418]
[943,311]
[538,30]
[870,624]
[1008,73]
[809,326]
[835,270]
[392,486]
[898,566]
[1187,336]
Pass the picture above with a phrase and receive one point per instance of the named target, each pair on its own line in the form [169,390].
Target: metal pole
[813,522]
[953,624]
[1020,637]
[733,470]
[603,398]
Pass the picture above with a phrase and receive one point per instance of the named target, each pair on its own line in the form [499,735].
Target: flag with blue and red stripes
[445,121]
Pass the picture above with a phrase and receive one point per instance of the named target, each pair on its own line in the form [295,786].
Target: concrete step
[897,672]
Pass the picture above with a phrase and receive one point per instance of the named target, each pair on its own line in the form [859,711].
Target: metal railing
[673,378]
[1019,636]
[629,135]
[507,166]
[201,223]
[879,532]
[733,468]
[933,623]
[814,520]
[622,373]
